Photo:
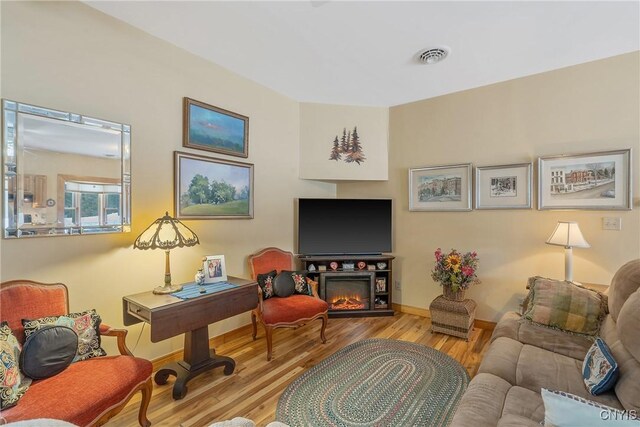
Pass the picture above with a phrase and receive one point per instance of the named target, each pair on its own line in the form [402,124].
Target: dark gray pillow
[48,351]
[283,285]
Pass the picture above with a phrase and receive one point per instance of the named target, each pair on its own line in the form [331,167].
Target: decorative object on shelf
[381,284]
[166,233]
[455,272]
[323,267]
[349,148]
[440,188]
[380,302]
[361,265]
[567,234]
[585,181]
[214,269]
[208,188]
[311,267]
[381,265]
[213,129]
[371,267]
[503,187]
[333,265]
[348,266]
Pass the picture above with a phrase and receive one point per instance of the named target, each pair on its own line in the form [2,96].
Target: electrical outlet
[397,287]
[611,223]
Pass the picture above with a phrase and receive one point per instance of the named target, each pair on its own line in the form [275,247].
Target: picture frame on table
[209,188]
[440,188]
[211,128]
[591,181]
[214,269]
[503,186]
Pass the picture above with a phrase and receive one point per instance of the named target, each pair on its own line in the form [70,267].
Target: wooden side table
[454,318]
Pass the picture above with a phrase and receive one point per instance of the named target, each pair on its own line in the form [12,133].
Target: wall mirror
[64,173]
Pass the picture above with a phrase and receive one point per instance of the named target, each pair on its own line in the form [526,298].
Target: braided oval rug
[376,382]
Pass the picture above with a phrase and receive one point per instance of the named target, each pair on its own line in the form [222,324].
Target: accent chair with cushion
[87,392]
[288,311]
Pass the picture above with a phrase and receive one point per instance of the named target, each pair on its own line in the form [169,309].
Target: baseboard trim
[213,342]
[423,312]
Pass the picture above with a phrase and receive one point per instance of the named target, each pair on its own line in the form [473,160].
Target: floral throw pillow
[265,281]
[599,369]
[301,283]
[86,324]
[13,385]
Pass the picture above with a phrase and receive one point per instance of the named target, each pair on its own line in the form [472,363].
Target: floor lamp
[567,234]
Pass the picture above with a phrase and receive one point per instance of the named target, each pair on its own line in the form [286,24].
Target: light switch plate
[612,223]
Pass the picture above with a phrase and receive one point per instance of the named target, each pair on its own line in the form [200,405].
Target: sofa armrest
[120,334]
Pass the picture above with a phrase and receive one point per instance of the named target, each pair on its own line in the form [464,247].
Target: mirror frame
[13,171]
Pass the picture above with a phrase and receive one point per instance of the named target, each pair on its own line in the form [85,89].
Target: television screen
[344,226]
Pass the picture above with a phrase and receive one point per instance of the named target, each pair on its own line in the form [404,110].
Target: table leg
[198,358]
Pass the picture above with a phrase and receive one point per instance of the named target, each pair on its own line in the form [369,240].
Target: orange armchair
[87,393]
[290,312]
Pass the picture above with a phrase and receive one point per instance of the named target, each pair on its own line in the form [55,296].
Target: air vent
[433,55]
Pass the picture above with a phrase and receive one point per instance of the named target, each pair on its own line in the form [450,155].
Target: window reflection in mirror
[64,173]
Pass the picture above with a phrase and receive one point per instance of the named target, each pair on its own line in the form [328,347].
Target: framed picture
[213,129]
[207,188]
[381,284]
[503,187]
[440,188]
[585,181]
[214,269]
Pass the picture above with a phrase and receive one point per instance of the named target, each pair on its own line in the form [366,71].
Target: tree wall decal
[350,146]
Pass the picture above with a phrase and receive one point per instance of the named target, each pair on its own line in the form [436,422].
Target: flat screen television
[344,226]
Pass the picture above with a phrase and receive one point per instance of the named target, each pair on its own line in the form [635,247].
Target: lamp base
[167,289]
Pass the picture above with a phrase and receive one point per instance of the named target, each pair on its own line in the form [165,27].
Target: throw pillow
[563,409]
[300,282]
[86,324]
[265,281]
[283,285]
[564,305]
[48,351]
[13,385]
[599,369]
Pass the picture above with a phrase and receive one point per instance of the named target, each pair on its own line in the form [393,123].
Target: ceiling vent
[433,55]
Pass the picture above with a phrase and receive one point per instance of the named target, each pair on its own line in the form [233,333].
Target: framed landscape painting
[440,188]
[207,188]
[503,187]
[213,129]
[585,181]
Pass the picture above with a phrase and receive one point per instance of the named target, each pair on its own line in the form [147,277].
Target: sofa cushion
[265,281]
[291,309]
[628,325]
[86,324]
[564,305]
[481,404]
[48,351]
[13,385]
[625,282]
[599,369]
[516,421]
[111,378]
[522,402]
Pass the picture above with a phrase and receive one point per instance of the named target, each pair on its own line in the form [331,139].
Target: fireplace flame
[347,302]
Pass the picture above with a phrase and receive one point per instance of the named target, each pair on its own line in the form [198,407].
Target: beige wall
[70,57]
[590,107]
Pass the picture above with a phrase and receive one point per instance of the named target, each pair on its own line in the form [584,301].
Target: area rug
[376,382]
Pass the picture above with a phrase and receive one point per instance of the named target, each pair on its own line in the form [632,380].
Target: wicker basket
[454,318]
[453,296]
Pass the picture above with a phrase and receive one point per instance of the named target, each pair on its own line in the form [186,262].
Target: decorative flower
[455,270]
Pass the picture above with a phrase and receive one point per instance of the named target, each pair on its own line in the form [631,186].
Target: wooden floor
[252,391]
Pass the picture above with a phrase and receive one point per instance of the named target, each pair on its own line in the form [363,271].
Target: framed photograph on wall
[599,181]
[503,187]
[207,188]
[214,269]
[440,188]
[214,129]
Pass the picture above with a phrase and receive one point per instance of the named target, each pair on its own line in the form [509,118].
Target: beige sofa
[523,358]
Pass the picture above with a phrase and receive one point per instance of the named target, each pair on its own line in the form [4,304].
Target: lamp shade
[166,233]
[567,234]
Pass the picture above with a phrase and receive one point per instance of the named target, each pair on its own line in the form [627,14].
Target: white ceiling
[363,53]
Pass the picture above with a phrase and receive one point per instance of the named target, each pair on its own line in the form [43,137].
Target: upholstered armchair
[288,312]
[86,393]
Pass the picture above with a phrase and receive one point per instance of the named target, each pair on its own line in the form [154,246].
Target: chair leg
[269,332]
[147,390]
[255,324]
[325,318]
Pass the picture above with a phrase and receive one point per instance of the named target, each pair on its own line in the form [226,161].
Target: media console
[354,286]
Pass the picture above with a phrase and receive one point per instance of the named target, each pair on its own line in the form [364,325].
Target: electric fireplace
[348,292]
